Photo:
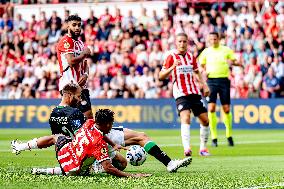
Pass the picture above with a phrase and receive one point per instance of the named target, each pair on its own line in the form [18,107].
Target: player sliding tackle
[67,120]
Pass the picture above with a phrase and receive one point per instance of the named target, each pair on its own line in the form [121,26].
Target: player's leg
[183,107]
[47,171]
[227,114]
[132,137]
[86,106]
[213,86]
[199,110]
[41,142]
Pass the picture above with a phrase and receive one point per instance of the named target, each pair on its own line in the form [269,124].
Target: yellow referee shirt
[216,61]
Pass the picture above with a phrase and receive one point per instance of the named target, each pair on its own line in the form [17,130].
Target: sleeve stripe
[103,159]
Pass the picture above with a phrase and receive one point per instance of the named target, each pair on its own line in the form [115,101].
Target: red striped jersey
[182,76]
[69,74]
[87,146]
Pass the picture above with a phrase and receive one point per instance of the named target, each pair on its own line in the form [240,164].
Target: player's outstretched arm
[110,169]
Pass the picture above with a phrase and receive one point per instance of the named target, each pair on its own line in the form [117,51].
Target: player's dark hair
[182,34]
[70,88]
[104,116]
[214,33]
[73,17]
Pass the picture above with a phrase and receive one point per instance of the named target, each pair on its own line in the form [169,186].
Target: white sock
[204,134]
[32,144]
[185,136]
[51,171]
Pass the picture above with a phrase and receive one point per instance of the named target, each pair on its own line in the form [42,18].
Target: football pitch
[256,161]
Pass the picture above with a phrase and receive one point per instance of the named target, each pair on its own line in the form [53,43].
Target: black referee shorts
[192,102]
[86,101]
[219,86]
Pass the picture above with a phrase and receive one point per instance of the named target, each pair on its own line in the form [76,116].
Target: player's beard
[73,34]
[74,103]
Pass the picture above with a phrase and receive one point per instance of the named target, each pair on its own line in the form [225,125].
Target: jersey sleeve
[66,45]
[168,62]
[101,151]
[194,63]
[202,57]
[231,55]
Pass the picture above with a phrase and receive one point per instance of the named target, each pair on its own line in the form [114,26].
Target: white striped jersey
[182,76]
[69,74]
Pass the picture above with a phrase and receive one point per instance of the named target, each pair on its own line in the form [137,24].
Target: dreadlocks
[104,116]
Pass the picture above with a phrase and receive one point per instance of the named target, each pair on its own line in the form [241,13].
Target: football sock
[213,124]
[204,134]
[154,150]
[51,171]
[227,119]
[32,144]
[185,136]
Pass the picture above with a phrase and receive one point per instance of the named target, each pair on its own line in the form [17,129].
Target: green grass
[256,160]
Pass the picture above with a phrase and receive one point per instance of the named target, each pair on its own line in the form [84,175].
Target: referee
[216,61]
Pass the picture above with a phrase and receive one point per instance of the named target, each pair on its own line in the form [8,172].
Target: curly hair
[73,17]
[104,116]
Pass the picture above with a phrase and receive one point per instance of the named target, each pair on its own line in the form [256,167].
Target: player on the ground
[181,66]
[71,54]
[67,120]
[75,156]
[216,61]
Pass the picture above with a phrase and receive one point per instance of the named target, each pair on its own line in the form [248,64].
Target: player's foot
[214,143]
[204,152]
[230,141]
[15,148]
[97,168]
[174,165]
[187,152]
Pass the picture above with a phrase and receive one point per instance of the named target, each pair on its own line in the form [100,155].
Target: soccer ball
[136,155]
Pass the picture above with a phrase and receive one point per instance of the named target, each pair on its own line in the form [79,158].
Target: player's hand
[138,175]
[83,79]
[206,90]
[86,51]
[118,147]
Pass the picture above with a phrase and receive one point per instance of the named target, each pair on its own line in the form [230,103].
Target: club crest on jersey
[104,151]
[66,45]
[77,123]
[84,102]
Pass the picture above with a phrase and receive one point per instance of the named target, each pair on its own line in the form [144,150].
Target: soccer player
[181,66]
[67,120]
[75,156]
[71,54]
[216,60]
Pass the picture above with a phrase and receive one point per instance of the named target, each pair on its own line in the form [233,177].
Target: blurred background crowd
[128,52]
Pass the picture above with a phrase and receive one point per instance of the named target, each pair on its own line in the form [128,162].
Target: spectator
[271,84]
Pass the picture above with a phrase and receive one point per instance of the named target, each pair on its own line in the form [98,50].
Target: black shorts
[61,141]
[219,86]
[86,101]
[191,102]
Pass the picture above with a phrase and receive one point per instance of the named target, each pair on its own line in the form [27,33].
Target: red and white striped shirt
[182,76]
[69,74]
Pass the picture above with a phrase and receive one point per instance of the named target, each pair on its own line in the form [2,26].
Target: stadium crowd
[127,52]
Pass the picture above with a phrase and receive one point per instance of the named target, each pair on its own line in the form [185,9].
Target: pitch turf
[257,160]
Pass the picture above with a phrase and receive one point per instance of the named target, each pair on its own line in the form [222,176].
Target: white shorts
[116,135]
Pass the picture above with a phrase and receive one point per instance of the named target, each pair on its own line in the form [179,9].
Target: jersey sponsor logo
[66,45]
[104,151]
[184,69]
[59,120]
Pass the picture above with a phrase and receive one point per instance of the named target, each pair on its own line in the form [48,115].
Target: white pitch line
[261,187]
[236,143]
